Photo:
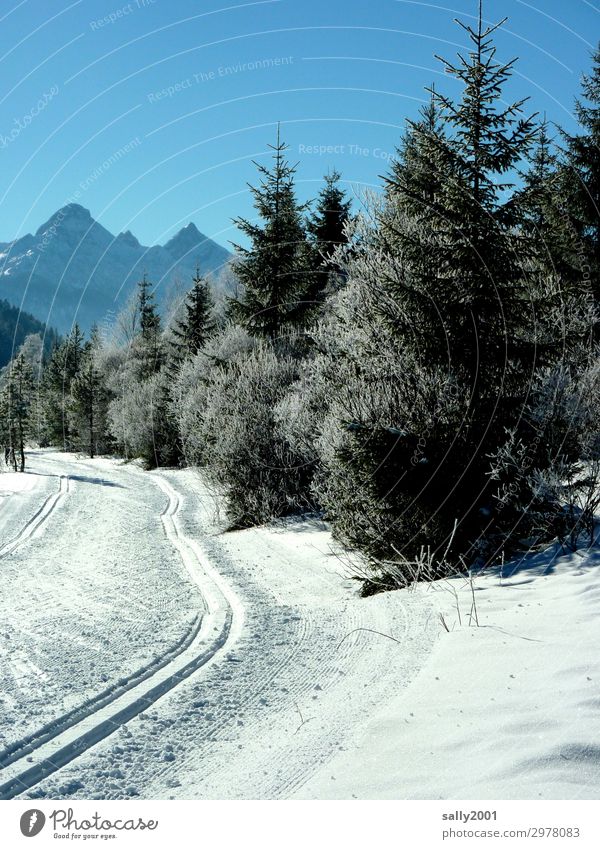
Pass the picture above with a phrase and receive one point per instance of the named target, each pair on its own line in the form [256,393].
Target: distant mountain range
[73,269]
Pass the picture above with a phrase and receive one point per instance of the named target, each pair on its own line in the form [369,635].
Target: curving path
[247,698]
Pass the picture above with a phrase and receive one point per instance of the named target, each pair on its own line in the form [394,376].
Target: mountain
[15,326]
[73,269]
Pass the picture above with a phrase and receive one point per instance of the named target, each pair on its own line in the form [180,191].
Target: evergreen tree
[326,226]
[420,168]
[551,238]
[276,270]
[581,175]
[89,401]
[442,303]
[16,402]
[408,234]
[483,290]
[194,329]
[63,367]
[148,347]
[165,448]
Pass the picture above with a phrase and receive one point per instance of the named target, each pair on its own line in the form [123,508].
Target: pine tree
[551,238]
[194,329]
[63,367]
[483,293]
[89,401]
[326,226]
[16,402]
[148,345]
[408,233]
[442,302]
[420,168]
[276,270]
[581,177]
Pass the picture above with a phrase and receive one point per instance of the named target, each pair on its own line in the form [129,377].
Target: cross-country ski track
[281,689]
[71,735]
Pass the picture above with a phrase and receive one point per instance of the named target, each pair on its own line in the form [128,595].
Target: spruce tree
[420,170]
[443,303]
[581,179]
[326,227]
[276,270]
[194,329]
[148,347]
[408,232]
[551,237]
[16,402]
[63,367]
[483,292]
[89,400]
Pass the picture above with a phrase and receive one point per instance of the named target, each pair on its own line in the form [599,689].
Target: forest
[423,370]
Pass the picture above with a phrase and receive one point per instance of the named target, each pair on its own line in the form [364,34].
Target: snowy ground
[506,710]
[156,657]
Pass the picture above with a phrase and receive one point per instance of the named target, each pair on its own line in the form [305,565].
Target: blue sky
[149,112]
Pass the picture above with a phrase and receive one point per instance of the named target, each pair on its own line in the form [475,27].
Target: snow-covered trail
[209,666]
[68,734]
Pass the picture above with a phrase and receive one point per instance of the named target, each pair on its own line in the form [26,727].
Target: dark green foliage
[16,401]
[89,403]
[445,299]
[148,347]
[421,166]
[194,329]
[326,227]
[552,239]
[276,271]
[164,448]
[63,367]
[581,174]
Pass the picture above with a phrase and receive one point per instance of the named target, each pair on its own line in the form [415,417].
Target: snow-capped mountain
[73,269]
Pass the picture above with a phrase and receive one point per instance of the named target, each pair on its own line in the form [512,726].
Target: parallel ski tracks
[39,518]
[67,737]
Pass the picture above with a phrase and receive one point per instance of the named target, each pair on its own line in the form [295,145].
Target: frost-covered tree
[428,355]
[16,401]
[194,387]
[247,459]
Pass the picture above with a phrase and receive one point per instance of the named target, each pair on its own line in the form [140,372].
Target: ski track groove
[282,687]
[280,701]
[219,729]
[54,752]
[39,518]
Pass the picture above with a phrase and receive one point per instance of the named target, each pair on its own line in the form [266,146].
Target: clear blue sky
[82,80]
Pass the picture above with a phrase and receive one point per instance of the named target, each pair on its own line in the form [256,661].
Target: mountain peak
[73,214]
[186,240]
[74,210]
[129,239]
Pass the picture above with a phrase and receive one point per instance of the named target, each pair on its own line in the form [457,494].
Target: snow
[263,674]
[95,593]
[13,482]
[506,710]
